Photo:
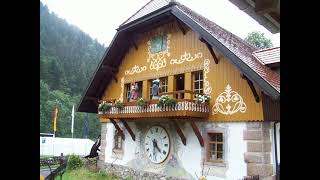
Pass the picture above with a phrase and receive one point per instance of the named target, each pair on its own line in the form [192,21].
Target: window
[215,147]
[164,84]
[159,43]
[150,88]
[127,92]
[117,141]
[197,81]
[136,95]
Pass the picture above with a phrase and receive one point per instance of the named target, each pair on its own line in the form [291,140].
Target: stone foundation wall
[126,172]
[101,159]
[258,155]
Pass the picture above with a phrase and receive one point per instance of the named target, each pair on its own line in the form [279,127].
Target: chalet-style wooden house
[233,134]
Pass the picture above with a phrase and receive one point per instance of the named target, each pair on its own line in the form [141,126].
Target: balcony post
[188,85]
[145,90]
[171,85]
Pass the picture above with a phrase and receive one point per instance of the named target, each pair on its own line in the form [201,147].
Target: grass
[85,174]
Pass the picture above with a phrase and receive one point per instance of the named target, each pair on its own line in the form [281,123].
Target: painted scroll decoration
[206,87]
[158,60]
[186,57]
[229,102]
[135,69]
[122,89]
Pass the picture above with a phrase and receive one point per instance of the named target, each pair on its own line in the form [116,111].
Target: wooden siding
[271,109]
[219,75]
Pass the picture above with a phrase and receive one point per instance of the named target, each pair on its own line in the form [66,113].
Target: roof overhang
[265,12]
[121,43]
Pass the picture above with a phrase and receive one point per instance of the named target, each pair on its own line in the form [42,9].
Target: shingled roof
[238,51]
[268,56]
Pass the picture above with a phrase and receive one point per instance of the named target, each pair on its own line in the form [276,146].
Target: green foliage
[166,100]
[119,105]
[85,174]
[258,40]
[74,162]
[203,98]
[104,107]
[68,59]
[142,103]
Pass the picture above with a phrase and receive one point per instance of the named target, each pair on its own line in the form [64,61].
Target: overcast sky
[100,18]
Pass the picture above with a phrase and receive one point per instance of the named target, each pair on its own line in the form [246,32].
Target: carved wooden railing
[183,108]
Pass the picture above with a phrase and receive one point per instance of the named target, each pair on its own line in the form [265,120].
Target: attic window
[159,43]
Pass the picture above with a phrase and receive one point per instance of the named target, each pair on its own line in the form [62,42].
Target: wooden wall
[218,75]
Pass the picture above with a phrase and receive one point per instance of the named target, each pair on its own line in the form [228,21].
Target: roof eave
[253,76]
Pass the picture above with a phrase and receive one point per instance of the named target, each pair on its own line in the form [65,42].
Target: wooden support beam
[118,128]
[253,89]
[128,129]
[181,26]
[179,131]
[266,6]
[216,60]
[197,132]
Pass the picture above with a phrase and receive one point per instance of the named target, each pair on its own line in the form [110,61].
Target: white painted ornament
[229,102]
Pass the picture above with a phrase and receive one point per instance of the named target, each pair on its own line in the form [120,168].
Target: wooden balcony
[184,108]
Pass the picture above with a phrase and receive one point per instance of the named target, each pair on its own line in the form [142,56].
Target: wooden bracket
[128,129]
[180,26]
[179,131]
[253,89]
[216,60]
[197,132]
[118,128]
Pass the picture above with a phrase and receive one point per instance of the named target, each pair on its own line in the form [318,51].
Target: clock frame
[162,138]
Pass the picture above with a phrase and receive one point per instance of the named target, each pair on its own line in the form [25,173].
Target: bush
[142,103]
[74,162]
[104,107]
[119,105]
[166,100]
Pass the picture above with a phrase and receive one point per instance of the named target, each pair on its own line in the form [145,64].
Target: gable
[237,52]
[185,53]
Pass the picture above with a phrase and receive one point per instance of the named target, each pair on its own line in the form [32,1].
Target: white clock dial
[157,144]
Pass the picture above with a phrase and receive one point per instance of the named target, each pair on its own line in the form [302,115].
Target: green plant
[104,107]
[203,98]
[74,162]
[119,105]
[166,100]
[142,103]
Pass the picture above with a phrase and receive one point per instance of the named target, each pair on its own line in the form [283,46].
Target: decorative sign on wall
[158,50]
[207,88]
[186,57]
[135,69]
[229,102]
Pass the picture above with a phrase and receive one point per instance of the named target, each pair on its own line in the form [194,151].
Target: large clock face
[157,144]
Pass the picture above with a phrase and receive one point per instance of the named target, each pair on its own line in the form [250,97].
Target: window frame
[216,142]
[199,81]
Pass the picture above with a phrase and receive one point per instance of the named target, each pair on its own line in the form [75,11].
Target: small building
[152,83]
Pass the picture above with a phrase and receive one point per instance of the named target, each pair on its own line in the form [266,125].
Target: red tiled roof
[236,45]
[268,56]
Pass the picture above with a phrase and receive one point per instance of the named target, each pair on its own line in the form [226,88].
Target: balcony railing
[183,108]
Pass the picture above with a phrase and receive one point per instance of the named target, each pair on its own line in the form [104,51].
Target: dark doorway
[179,85]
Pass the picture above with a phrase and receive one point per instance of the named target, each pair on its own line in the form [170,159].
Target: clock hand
[157,146]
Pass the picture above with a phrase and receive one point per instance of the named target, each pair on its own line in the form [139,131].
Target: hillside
[68,58]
